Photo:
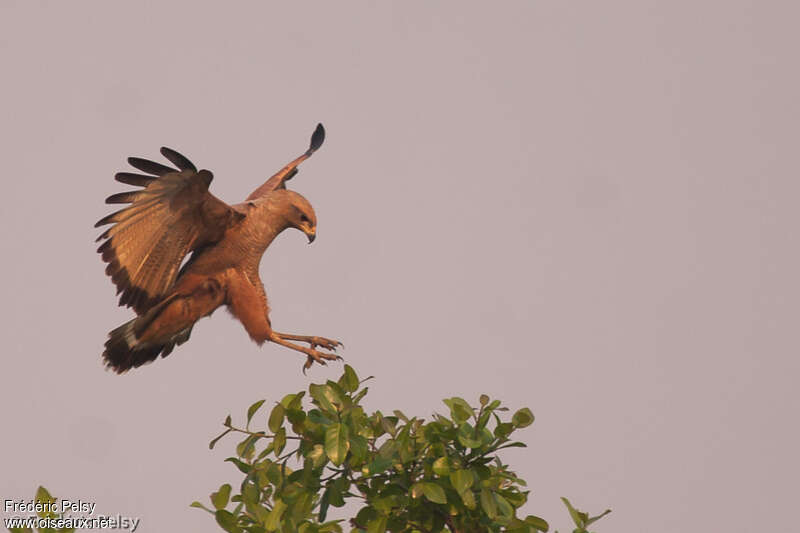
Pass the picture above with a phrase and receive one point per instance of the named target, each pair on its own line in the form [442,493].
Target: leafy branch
[409,474]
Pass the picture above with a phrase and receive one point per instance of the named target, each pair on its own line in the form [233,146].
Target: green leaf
[295,416]
[323,394]
[383,505]
[598,517]
[336,394]
[399,414]
[484,419]
[323,506]
[365,515]
[389,425]
[200,506]
[275,474]
[537,523]
[488,503]
[574,513]
[515,525]
[466,436]
[337,443]
[316,416]
[468,497]
[292,491]
[434,492]
[242,466]
[461,480]
[522,418]
[220,498]
[336,496]
[358,449]
[246,448]
[513,445]
[441,466]
[460,410]
[250,495]
[363,392]
[274,518]
[349,380]
[252,410]
[262,515]
[516,499]
[227,521]
[503,430]
[276,417]
[279,441]
[44,497]
[268,449]
[505,508]
[377,525]
[379,465]
[289,400]
[387,449]
[317,455]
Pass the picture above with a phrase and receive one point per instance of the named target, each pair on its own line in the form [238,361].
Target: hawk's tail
[124,350]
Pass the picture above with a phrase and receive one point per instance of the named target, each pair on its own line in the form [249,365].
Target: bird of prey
[174,215]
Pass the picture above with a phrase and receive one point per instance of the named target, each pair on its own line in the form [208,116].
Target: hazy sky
[588,208]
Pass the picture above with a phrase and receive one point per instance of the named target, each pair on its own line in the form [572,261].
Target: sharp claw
[309,362]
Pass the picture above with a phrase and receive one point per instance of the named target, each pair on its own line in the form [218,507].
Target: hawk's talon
[315,356]
[328,344]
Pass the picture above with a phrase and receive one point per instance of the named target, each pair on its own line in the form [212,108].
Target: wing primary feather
[317,138]
[177,159]
[278,180]
[122,197]
[150,167]
[103,235]
[130,178]
[127,214]
[108,219]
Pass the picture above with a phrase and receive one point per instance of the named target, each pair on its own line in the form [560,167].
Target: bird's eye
[304,218]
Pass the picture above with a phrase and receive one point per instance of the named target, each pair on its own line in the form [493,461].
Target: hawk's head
[300,215]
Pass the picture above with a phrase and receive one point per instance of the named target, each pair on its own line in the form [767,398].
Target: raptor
[173,215]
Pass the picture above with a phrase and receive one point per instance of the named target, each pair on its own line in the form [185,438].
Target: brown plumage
[174,215]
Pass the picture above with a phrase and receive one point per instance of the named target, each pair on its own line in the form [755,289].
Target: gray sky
[587,208]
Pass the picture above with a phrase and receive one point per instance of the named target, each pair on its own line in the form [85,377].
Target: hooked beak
[311,236]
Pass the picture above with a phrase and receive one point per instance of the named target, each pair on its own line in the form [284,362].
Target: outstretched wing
[172,215]
[278,181]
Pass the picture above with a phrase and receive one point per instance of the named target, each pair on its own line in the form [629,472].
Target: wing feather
[179,160]
[149,167]
[171,216]
[131,178]
[279,179]
[124,197]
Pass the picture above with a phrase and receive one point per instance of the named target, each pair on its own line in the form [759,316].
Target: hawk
[174,215]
